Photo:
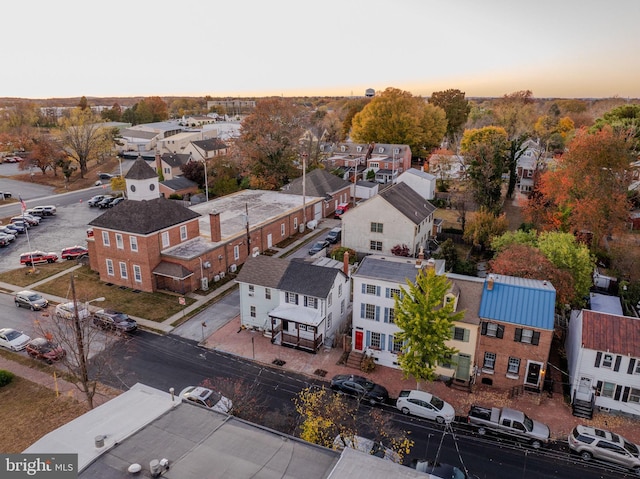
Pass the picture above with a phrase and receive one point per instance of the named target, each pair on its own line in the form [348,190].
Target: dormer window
[359,149]
[381,149]
[396,151]
[343,148]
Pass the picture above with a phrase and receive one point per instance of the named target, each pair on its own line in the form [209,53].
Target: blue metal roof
[528,302]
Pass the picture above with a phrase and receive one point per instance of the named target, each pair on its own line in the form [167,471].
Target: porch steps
[354,360]
[582,409]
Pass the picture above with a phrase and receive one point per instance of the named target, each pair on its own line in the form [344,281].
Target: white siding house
[422,183]
[603,355]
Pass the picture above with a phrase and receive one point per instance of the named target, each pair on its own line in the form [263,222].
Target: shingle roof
[308,279]
[178,183]
[470,296]
[319,183]
[175,160]
[140,170]
[263,270]
[608,332]
[144,217]
[528,302]
[211,144]
[172,270]
[403,198]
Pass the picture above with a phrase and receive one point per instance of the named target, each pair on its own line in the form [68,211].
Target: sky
[245,48]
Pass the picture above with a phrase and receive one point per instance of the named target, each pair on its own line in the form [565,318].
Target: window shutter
[467,333]
[632,366]
[616,396]
[382,341]
[598,358]
[483,329]
[362,310]
[377,313]
[616,367]
[598,386]
[535,339]
[500,331]
[377,290]
[368,343]
[625,394]
[518,335]
[364,288]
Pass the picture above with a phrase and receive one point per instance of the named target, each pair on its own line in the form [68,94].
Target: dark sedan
[318,246]
[114,321]
[360,387]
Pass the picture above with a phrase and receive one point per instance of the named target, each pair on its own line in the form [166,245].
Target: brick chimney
[420,258]
[216,232]
[345,263]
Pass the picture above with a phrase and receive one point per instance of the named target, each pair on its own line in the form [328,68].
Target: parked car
[8,231]
[426,405]
[30,299]
[438,470]
[74,252]
[334,235]
[104,203]
[6,194]
[360,387]
[591,442]
[509,423]
[366,445]
[12,339]
[67,311]
[21,223]
[35,212]
[115,201]
[41,348]
[4,240]
[8,237]
[18,229]
[340,210]
[47,210]
[318,246]
[36,257]
[94,200]
[207,397]
[114,321]
[105,176]
[30,220]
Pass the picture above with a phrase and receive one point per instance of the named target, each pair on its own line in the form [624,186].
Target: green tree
[397,117]
[625,120]
[485,150]
[449,253]
[502,242]
[352,108]
[112,114]
[425,322]
[457,109]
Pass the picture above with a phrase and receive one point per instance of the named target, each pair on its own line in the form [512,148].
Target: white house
[375,282]
[421,182]
[395,217]
[603,355]
[296,303]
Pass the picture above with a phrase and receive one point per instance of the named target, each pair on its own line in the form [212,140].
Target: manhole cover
[279,362]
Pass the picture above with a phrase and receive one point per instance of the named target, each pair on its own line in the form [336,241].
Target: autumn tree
[397,117]
[112,114]
[484,226]
[46,153]
[84,138]
[425,322]
[553,132]
[269,140]
[485,150]
[456,108]
[588,188]
[525,261]
[147,110]
[352,108]
[624,120]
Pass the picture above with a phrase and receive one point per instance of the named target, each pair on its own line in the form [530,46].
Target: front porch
[296,328]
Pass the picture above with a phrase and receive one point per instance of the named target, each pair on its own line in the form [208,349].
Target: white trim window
[165,239]
[375,245]
[137,273]
[267,293]
[311,302]
[489,363]
[608,390]
[282,230]
[513,368]
[295,224]
[105,238]
[119,241]
[110,271]
[123,270]
[133,243]
[183,232]
[236,252]
[375,340]
[252,290]
[607,360]
[329,320]
[252,312]
[291,298]
[634,395]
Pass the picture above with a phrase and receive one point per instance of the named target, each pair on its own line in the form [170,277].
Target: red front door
[359,338]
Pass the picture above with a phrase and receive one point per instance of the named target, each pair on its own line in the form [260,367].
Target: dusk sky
[240,48]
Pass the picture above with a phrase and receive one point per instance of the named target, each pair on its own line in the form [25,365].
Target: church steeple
[142,181]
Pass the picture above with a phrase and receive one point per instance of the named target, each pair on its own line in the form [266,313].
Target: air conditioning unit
[222,273]
[207,264]
[204,284]
[216,278]
[233,268]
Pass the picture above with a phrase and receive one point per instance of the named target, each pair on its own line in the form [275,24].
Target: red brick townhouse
[151,243]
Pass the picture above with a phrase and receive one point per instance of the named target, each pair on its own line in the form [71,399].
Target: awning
[172,270]
[297,314]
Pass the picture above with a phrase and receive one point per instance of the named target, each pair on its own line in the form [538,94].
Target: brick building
[150,243]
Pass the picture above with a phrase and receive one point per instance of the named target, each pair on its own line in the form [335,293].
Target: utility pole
[246,207]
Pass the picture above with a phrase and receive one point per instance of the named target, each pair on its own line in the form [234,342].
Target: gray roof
[403,198]
[178,183]
[367,184]
[308,279]
[470,289]
[144,217]
[263,270]
[420,173]
[172,270]
[145,135]
[140,170]
[396,270]
[211,144]
[175,160]
[319,183]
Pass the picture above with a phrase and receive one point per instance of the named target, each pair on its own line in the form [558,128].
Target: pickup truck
[510,423]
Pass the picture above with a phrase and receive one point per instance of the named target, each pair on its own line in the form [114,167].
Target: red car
[41,348]
[36,257]
[74,252]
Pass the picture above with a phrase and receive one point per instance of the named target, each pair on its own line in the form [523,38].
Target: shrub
[5,377]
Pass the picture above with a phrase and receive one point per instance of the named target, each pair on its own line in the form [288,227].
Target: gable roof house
[516,329]
[142,140]
[207,149]
[603,356]
[386,160]
[445,165]
[296,303]
[150,243]
[397,216]
[170,164]
[321,183]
